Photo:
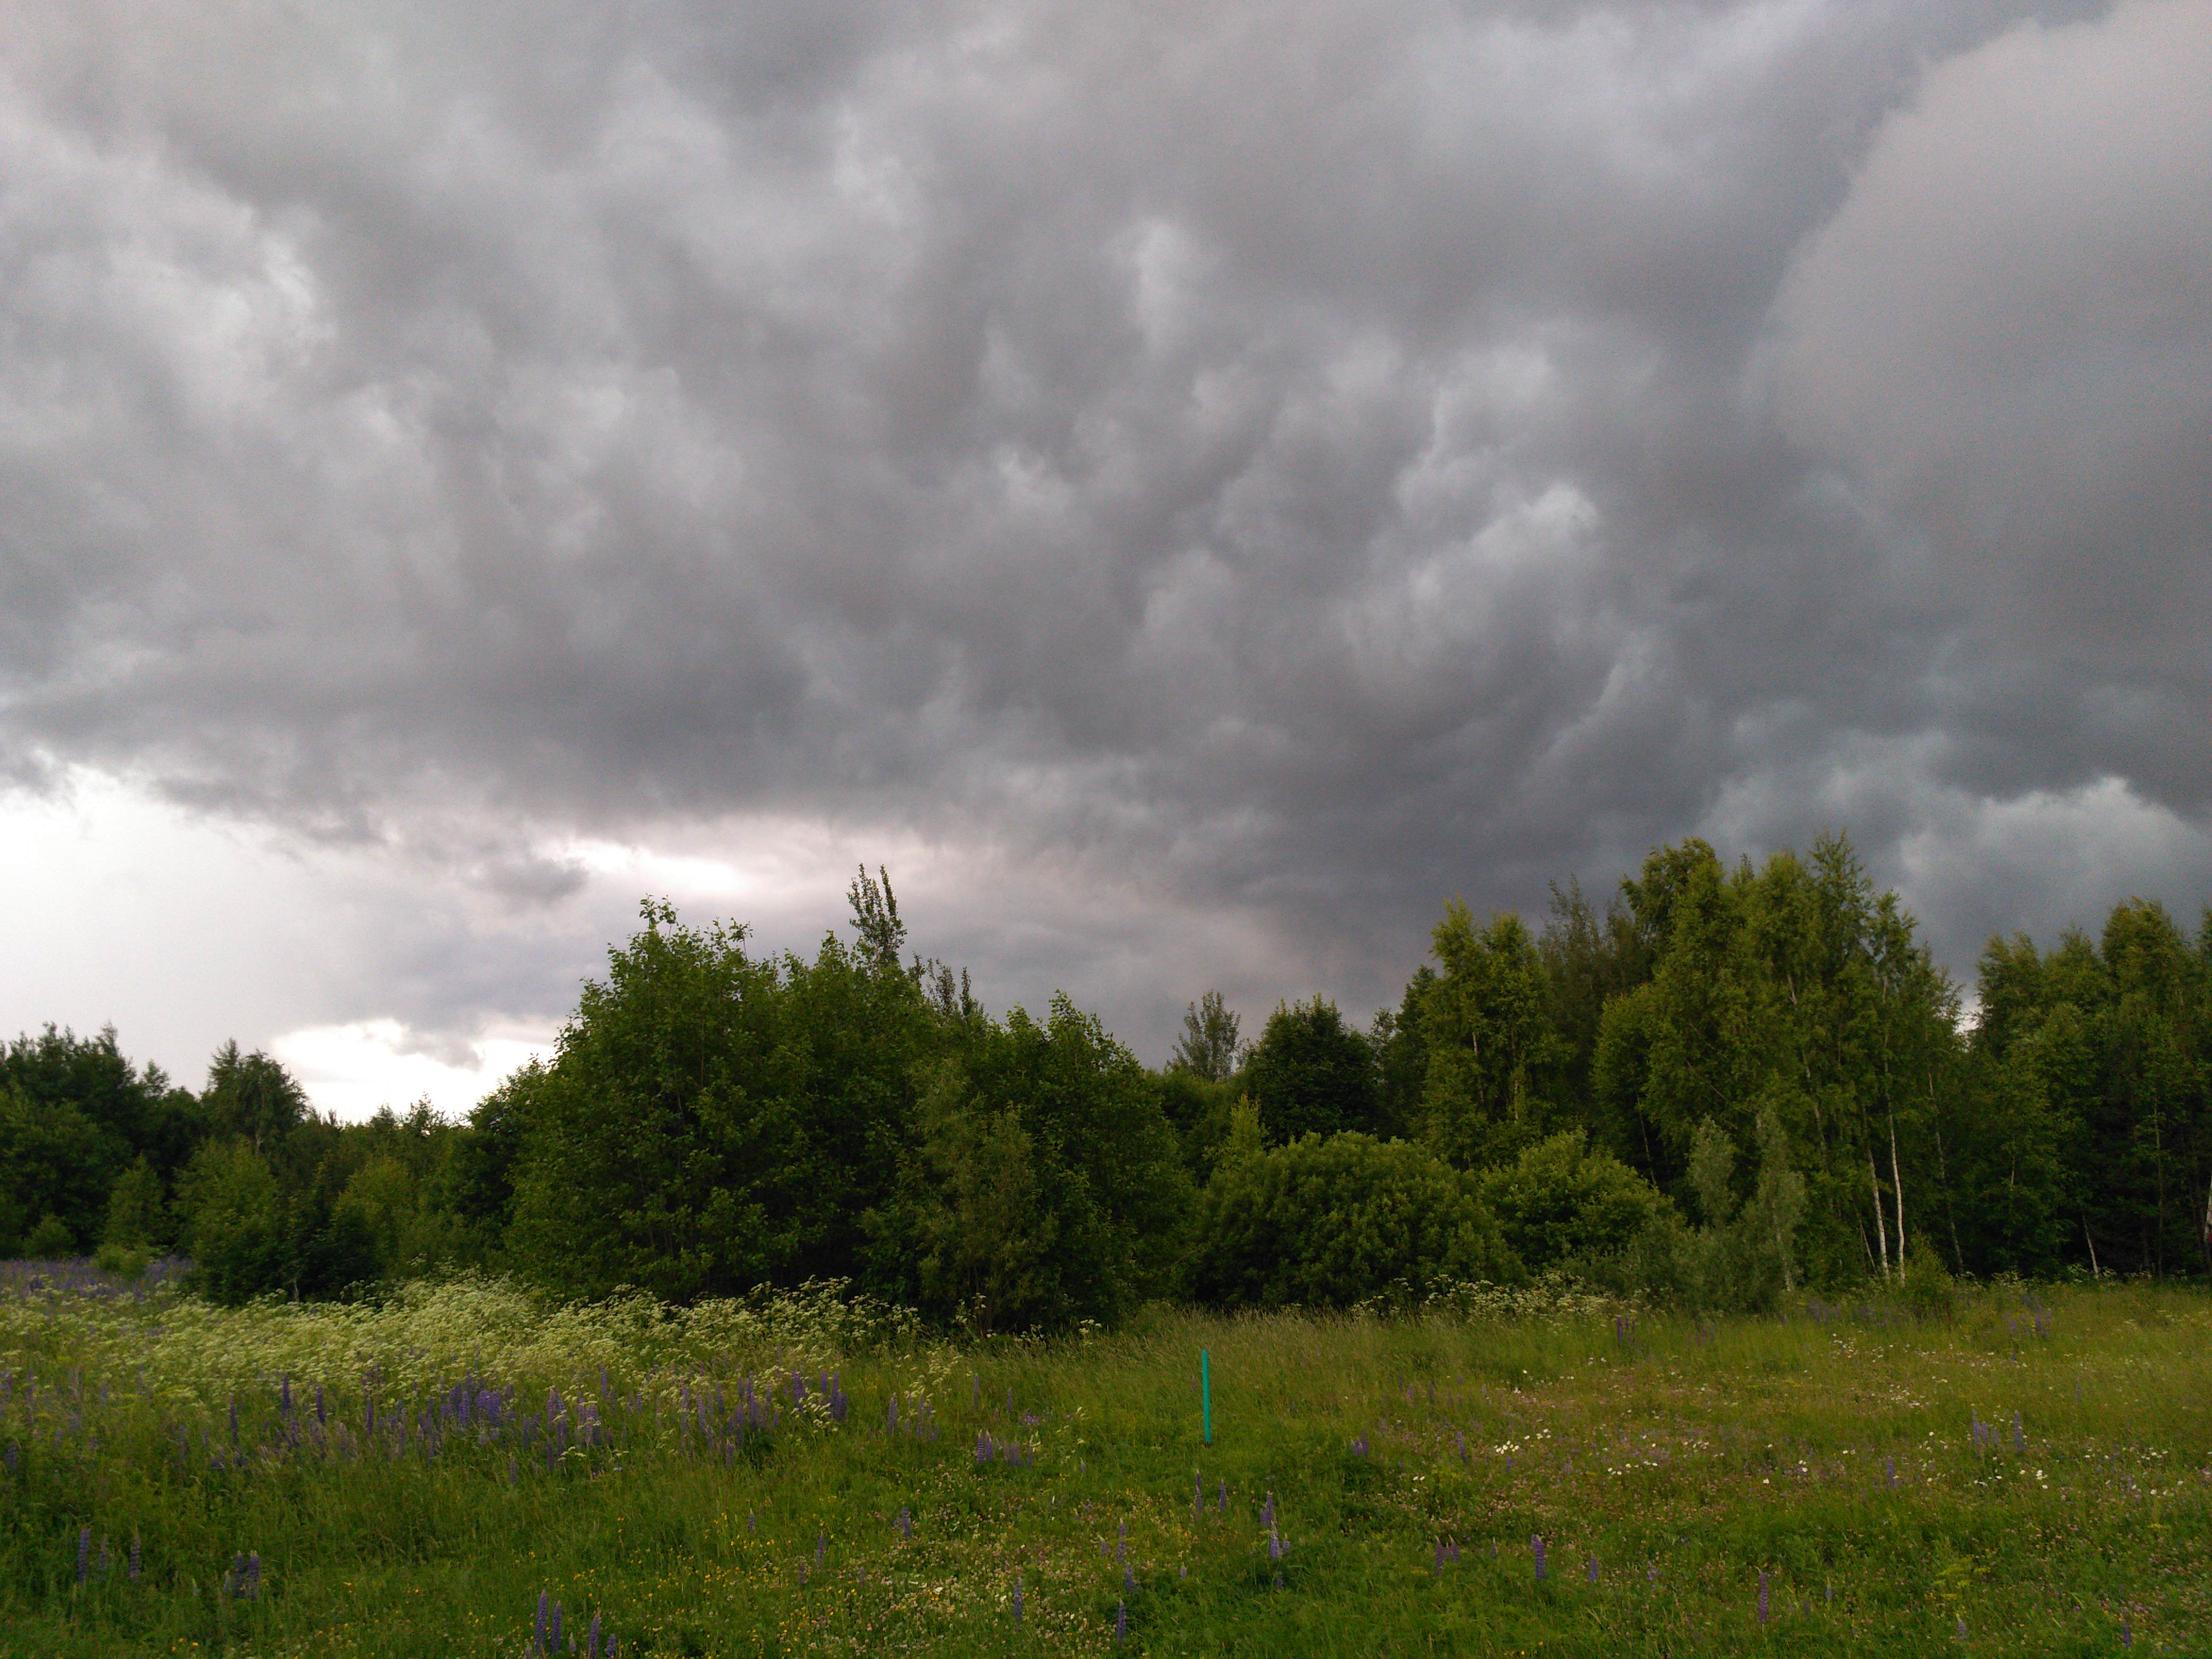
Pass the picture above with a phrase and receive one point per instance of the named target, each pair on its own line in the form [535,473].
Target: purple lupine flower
[1440,1555]
[1762,1595]
[1018,1598]
[751,1526]
[2018,1440]
[105,1567]
[821,1543]
[1593,1570]
[321,1417]
[1121,1623]
[1962,1627]
[253,1575]
[1128,1578]
[1536,1544]
[554,1635]
[83,1552]
[1463,1448]
[592,1639]
[1122,1544]
[1889,1463]
[1267,1512]
[133,1568]
[2126,1632]
[285,1397]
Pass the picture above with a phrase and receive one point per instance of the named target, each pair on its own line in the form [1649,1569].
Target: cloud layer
[1195,487]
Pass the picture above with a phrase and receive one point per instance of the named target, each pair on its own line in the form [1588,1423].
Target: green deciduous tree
[52,1171]
[236,1221]
[714,1120]
[1207,1047]
[1045,1186]
[254,1097]
[1486,1026]
[137,1210]
[1309,1073]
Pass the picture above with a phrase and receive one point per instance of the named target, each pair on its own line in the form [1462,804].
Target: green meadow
[2020,1471]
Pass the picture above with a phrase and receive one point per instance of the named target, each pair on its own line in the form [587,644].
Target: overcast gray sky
[1188,487]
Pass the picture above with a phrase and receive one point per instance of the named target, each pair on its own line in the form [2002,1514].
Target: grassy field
[2029,1475]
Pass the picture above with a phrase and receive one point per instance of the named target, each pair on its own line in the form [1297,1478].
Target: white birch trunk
[1880,1221]
[1897,1191]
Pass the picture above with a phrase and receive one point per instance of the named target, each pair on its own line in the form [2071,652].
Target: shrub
[123,1261]
[1562,1201]
[137,1218]
[1930,1290]
[1329,1222]
[49,1240]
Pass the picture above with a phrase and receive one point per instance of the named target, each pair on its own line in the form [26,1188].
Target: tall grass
[655,1467]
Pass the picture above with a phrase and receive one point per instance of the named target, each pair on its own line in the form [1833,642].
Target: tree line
[1728,1083]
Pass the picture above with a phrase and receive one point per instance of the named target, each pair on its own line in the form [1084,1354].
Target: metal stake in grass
[1206,1395]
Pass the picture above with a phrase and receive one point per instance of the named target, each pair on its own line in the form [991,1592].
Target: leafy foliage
[1725,1083]
[714,1121]
[1327,1222]
[1046,1188]
[1309,1073]
[1207,1047]
[1564,1201]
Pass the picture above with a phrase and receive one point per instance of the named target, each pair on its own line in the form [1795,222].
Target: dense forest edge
[1728,1085]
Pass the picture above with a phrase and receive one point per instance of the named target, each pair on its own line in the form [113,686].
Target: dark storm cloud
[1290,461]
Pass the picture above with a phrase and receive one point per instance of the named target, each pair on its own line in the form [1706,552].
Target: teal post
[1205,1395]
